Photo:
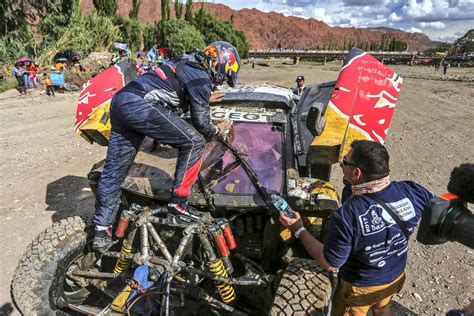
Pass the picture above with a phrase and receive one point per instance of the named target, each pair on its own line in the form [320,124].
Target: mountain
[272,30]
[464,44]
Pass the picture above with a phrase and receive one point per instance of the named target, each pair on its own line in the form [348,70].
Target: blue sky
[443,20]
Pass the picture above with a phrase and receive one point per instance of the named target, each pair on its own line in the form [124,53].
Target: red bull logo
[366,93]
[231,61]
[96,92]
[361,106]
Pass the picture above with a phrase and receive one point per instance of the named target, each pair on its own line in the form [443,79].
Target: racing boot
[186,214]
[102,238]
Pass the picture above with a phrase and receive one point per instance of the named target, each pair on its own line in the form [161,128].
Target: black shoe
[186,214]
[102,239]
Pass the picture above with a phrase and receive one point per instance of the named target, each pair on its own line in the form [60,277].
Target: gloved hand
[226,131]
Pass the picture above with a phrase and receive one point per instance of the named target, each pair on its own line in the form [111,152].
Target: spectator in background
[49,85]
[33,74]
[299,86]
[18,73]
[26,75]
[445,68]
[114,59]
[151,56]
[139,66]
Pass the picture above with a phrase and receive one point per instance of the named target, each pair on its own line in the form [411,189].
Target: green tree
[105,7]
[215,29]
[382,44]
[165,10]
[130,32]
[178,9]
[188,16]
[391,45]
[133,14]
[15,15]
[178,36]
[149,38]
[88,33]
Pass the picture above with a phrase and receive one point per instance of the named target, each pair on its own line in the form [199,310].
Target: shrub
[129,32]
[7,84]
[178,36]
[214,29]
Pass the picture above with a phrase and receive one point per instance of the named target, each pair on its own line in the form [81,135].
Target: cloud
[445,38]
[393,17]
[358,3]
[414,30]
[432,25]
[320,14]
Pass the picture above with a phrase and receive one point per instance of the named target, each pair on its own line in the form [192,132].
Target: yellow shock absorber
[225,290]
[124,264]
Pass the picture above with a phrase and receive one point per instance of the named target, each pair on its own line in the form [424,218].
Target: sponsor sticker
[236,115]
[377,219]
[371,222]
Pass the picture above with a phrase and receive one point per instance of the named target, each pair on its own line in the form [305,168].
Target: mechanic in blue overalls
[151,106]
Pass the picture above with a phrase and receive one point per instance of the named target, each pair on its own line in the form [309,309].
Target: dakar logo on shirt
[377,219]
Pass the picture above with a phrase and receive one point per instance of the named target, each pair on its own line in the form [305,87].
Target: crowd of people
[26,75]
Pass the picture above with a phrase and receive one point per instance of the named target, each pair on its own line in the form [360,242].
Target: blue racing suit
[149,106]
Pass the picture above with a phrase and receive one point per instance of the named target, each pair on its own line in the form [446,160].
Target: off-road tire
[304,289]
[40,273]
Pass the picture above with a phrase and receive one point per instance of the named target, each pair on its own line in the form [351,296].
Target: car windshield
[260,145]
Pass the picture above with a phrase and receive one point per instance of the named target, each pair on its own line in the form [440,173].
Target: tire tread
[305,289]
[29,275]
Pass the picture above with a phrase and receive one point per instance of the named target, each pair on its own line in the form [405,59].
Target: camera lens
[457,224]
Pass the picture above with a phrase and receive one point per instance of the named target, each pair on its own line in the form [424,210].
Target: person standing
[18,73]
[150,105]
[299,86]
[445,68]
[367,237]
[33,74]
[26,76]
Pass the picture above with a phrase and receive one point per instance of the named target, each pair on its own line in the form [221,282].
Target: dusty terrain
[43,171]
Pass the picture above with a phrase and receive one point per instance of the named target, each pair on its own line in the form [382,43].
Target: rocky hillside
[271,30]
[464,44]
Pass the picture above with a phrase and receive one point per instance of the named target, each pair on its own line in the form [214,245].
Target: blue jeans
[132,119]
[26,80]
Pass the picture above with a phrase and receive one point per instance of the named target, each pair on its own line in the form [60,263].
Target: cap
[299,78]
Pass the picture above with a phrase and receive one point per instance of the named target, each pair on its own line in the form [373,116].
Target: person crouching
[48,84]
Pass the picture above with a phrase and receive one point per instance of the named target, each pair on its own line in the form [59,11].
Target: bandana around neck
[371,187]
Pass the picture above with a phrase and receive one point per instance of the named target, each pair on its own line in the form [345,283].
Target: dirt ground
[43,170]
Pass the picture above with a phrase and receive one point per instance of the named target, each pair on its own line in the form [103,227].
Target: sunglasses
[344,162]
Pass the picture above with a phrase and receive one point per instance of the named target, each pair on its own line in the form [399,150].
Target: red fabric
[33,72]
[160,73]
[190,175]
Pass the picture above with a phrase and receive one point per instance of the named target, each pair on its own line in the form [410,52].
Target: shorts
[357,300]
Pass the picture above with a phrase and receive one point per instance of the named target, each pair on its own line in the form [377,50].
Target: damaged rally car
[240,260]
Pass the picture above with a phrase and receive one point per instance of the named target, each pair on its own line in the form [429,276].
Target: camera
[447,217]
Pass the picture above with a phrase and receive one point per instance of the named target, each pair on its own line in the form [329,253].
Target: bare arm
[313,246]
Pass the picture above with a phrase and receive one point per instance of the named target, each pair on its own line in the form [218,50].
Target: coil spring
[123,264]
[225,290]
